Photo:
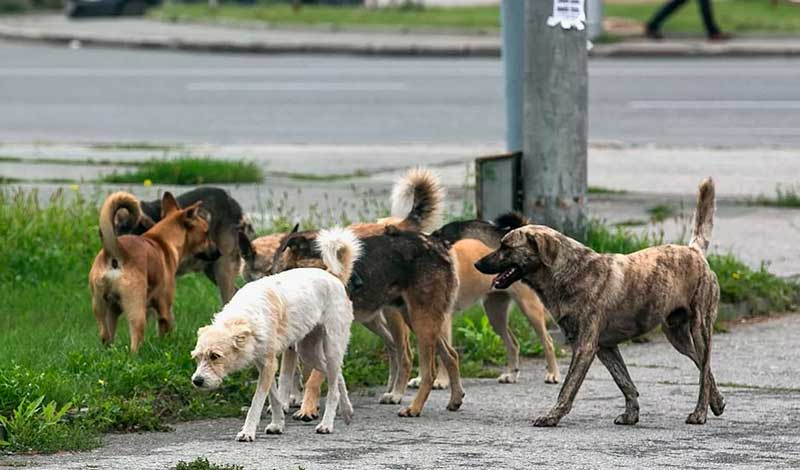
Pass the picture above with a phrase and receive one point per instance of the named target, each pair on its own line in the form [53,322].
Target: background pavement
[111,95]
[757,431]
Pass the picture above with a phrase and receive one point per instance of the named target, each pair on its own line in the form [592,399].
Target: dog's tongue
[499,281]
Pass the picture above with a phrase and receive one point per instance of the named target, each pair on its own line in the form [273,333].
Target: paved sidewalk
[146,33]
[755,366]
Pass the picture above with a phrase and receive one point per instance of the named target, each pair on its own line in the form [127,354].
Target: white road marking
[296,86]
[705,105]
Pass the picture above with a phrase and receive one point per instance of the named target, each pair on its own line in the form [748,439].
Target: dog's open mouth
[507,277]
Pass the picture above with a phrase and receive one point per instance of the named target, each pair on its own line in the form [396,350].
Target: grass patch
[631,223]
[321,178]
[479,18]
[661,212]
[143,146]
[202,463]
[190,171]
[784,197]
[736,16]
[5,180]
[70,161]
[602,190]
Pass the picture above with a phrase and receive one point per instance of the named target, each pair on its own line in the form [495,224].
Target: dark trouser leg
[708,17]
[664,12]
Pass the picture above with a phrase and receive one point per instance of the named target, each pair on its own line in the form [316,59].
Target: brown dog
[601,300]
[133,273]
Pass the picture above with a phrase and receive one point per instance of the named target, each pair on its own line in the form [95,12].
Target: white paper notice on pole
[568,14]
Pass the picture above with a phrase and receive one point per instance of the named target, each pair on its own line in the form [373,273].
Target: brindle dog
[601,300]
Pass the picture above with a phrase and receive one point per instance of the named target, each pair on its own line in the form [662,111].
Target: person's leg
[708,18]
[654,24]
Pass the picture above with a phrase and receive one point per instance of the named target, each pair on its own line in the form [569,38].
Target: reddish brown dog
[133,273]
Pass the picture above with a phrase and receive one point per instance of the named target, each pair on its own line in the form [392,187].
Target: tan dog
[601,300]
[133,273]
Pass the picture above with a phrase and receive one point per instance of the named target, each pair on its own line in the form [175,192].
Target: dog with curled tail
[306,307]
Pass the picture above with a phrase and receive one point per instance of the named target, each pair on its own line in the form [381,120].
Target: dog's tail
[510,221]
[418,199]
[704,216]
[340,248]
[113,203]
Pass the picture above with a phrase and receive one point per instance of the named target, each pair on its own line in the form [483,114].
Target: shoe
[720,36]
[653,33]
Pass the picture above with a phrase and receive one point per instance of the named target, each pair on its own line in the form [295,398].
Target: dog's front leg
[266,379]
[582,357]
[276,426]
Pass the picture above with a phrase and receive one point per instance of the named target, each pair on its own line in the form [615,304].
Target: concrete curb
[736,48]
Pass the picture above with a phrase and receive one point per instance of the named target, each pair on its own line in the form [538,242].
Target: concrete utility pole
[512,19]
[555,89]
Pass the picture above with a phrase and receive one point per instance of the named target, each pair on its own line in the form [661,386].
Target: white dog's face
[221,350]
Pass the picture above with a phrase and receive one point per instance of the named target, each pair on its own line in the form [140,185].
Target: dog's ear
[202,329]
[168,204]
[192,214]
[246,247]
[546,246]
[299,244]
[240,330]
[146,222]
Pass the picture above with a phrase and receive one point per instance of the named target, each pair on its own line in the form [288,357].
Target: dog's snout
[198,381]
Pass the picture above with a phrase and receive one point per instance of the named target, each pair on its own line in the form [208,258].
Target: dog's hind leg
[345,406]
[102,311]
[226,269]
[166,320]
[401,337]
[334,345]
[286,379]
[310,349]
[532,307]
[134,306]
[612,359]
[676,329]
[378,325]
[266,379]
[450,359]
[427,338]
[496,306]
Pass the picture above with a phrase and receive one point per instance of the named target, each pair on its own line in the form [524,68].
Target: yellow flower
[101,381]
[148,183]
[74,187]
[735,275]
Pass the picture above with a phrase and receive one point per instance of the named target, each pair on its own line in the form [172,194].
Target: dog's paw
[408,412]
[627,419]
[246,436]
[718,405]
[546,421]
[273,428]
[507,378]
[305,416]
[414,383]
[552,378]
[322,429]
[390,399]
[441,384]
[454,405]
[696,417]
[295,402]
[347,415]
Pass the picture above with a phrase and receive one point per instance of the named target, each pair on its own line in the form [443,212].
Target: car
[86,8]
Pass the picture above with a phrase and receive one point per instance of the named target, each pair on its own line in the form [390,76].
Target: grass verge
[65,398]
[784,197]
[202,463]
[190,171]
[736,16]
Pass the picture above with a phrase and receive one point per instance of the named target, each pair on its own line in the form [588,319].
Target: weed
[484,344]
[321,178]
[190,171]
[602,190]
[661,212]
[202,463]
[44,428]
[784,197]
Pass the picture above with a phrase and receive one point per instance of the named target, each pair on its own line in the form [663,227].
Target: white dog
[307,307]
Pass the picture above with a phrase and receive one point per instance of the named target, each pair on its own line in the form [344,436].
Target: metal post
[594,18]
[555,89]
[512,19]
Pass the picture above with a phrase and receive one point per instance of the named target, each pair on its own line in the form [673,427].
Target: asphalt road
[755,366]
[58,94]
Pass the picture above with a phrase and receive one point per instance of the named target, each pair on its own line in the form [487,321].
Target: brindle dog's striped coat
[601,300]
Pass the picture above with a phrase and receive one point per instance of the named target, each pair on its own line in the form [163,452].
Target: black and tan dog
[396,268]
[225,220]
[601,300]
[134,273]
